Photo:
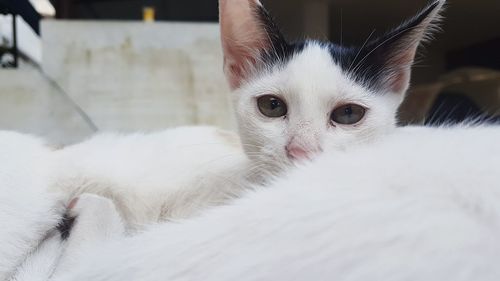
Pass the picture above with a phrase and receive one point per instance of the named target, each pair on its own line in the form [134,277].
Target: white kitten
[421,204]
[293,100]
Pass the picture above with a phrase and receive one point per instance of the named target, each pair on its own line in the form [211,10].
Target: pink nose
[297,152]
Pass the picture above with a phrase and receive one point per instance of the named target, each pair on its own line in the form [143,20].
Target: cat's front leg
[95,221]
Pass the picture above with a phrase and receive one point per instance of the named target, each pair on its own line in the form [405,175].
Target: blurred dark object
[466,94]
[171,10]
[479,55]
[24,9]
[6,51]
[454,108]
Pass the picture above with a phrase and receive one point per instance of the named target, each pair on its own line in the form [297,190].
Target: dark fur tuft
[371,64]
[281,50]
[65,226]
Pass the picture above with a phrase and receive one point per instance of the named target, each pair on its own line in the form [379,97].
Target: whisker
[361,49]
[382,43]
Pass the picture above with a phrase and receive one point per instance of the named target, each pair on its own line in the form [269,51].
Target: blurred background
[70,68]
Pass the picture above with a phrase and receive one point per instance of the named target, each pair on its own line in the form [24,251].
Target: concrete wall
[118,76]
[139,76]
[30,103]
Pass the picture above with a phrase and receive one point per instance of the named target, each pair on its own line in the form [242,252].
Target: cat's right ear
[395,52]
[247,33]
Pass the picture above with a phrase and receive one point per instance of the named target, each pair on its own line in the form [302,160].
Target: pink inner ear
[400,80]
[400,65]
[399,83]
[243,38]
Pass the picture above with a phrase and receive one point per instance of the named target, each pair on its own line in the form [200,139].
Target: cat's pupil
[348,110]
[275,104]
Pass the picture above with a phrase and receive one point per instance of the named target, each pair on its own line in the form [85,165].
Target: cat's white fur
[139,173]
[420,204]
[27,211]
[97,223]
[135,171]
[173,174]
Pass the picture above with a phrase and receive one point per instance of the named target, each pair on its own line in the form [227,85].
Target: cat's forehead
[319,69]
[314,61]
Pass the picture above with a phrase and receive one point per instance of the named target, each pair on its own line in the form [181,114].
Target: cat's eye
[348,114]
[272,106]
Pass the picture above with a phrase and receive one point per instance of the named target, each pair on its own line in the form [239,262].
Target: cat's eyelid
[278,95]
[348,102]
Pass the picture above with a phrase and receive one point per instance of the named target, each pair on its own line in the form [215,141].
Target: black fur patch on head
[368,65]
[281,50]
[359,64]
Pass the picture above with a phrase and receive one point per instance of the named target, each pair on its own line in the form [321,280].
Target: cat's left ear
[394,53]
[248,33]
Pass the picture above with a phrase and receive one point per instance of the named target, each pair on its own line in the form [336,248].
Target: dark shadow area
[165,10]
[452,108]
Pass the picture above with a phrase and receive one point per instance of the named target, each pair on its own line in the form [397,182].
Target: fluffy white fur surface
[27,211]
[149,177]
[154,177]
[421,204]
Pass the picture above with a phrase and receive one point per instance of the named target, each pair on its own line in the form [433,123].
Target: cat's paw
[87,204]
[95,218]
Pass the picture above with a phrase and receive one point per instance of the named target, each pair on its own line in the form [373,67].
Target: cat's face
[307,105]
[296,100]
